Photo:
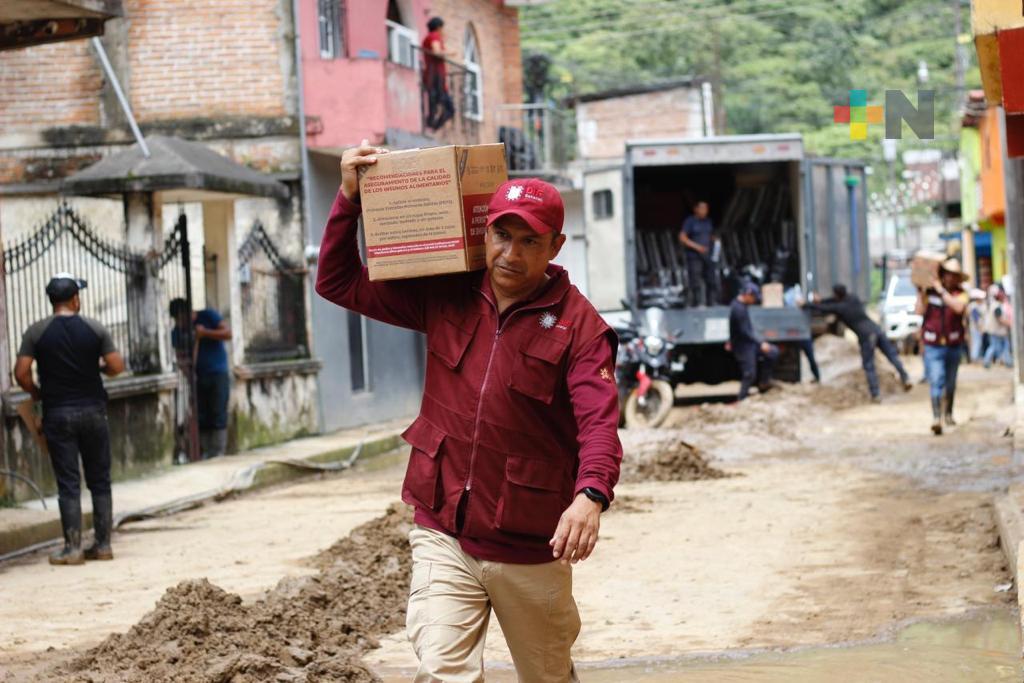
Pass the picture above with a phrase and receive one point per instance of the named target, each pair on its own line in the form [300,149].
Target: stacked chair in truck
[758,242]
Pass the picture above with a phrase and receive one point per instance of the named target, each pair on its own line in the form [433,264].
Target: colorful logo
[898,109]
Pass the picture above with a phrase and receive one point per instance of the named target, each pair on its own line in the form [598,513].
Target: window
[357,360]
[603,206]
[329,14]
[402,40]
[473,89]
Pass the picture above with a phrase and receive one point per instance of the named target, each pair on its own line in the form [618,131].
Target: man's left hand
[576,534]
[200,331]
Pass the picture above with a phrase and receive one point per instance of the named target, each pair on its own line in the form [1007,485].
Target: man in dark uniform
[72,351]
[849,309]
[756,358]
[696,237]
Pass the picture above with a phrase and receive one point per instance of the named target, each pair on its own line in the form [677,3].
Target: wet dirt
[848,518]
[307,629]
[661,455]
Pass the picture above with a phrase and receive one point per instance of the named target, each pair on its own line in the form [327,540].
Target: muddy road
[805,517]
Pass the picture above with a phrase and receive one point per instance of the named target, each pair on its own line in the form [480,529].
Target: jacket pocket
[422,476]
[531,499]
[450,338]
[537,369]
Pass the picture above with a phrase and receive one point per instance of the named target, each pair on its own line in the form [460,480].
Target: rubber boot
[71,522]
[102,522]
[205,443]
[218,442]
[936,416]
[948,406]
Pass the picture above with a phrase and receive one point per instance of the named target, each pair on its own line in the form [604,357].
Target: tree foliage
[778,65]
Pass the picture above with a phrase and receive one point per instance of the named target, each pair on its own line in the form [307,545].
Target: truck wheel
[655,409]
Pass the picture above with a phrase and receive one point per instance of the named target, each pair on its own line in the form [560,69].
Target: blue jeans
[998,349]
[940,367]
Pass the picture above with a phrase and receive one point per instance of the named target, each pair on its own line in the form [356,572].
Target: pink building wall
[361,94]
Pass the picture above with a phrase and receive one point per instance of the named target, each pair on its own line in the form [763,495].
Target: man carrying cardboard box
[515,451]
[942,305]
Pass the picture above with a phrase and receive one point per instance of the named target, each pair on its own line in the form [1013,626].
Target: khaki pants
[450,600]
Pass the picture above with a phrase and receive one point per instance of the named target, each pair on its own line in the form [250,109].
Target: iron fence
[273,300]
[65,242]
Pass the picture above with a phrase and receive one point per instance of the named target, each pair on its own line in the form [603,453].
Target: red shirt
[434,66]
[519,411]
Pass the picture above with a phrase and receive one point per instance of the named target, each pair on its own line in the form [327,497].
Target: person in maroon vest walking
[515,452]
[942,306]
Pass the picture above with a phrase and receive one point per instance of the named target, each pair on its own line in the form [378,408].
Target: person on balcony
[71,351]
[440,108]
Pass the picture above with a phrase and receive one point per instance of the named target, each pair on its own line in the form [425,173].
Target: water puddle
[984,649]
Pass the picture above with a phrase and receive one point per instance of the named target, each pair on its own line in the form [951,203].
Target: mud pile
[661,455]
[306,629]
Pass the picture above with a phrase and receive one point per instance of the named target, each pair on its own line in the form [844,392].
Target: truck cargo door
[606,248]
[835,226]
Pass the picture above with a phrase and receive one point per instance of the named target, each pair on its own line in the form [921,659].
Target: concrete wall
[603,126]
[274,404]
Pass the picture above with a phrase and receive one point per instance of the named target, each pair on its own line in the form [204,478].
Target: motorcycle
[649,367]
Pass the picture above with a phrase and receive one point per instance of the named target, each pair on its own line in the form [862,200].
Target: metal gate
[65,242]
[116,296]
[176,274]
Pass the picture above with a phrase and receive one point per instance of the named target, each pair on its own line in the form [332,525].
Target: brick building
[283,97]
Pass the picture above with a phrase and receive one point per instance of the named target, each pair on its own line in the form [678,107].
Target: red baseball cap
[535,201]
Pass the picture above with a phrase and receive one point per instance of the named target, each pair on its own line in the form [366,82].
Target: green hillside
[779,66]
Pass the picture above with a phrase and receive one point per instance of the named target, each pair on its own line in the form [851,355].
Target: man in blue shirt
[755,357]
[696,238]
[213,382]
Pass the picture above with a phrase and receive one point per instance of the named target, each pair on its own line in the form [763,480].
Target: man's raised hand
[352,160]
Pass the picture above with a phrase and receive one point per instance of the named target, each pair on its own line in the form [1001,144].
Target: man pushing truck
[515,452]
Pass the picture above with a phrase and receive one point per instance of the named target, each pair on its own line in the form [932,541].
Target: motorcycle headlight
[654,344]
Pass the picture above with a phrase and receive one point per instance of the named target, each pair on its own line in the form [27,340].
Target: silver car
[899,321]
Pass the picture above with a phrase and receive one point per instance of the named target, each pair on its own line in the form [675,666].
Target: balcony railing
[463,87]
[535,137]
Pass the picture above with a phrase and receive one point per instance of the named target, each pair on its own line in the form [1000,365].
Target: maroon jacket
[519,411]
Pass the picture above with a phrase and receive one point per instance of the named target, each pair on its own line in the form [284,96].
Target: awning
[24,23]
[183,170]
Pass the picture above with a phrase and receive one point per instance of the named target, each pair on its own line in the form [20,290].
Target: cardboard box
[425,210]
[772,295]
[924,268]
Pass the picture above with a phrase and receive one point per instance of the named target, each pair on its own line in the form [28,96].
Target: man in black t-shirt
[71,351]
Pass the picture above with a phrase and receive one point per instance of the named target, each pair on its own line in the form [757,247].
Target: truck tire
[656,408]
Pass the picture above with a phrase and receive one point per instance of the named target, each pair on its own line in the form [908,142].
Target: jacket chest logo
[549,321]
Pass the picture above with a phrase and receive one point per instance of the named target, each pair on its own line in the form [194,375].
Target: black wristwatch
[596,496]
